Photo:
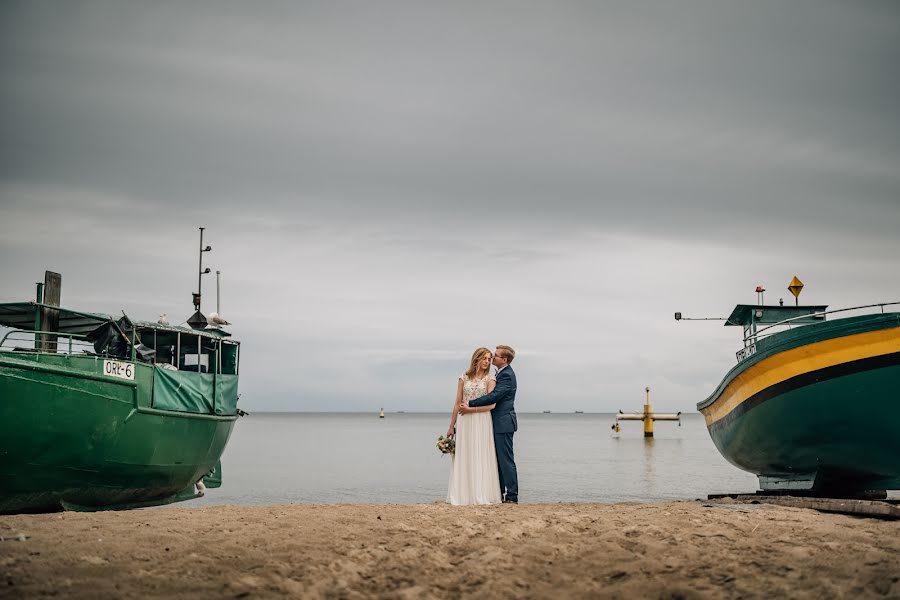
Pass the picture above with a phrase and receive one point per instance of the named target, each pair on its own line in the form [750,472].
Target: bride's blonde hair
[476,358]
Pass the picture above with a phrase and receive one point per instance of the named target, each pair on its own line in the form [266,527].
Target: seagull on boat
[215,319]
[163,319]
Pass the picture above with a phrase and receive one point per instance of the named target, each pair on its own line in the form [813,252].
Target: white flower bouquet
[447,445]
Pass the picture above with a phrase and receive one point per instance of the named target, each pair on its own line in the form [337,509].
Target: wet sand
[687,549]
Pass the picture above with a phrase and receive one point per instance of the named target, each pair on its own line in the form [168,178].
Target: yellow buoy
[647,416]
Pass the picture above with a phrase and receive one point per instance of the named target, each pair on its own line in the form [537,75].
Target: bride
[473,475]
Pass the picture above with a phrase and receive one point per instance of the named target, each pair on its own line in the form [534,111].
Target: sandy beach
[688,549]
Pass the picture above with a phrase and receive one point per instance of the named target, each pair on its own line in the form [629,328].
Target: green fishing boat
[813,403]
[98,412]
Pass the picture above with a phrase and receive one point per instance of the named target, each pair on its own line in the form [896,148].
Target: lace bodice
[474,477]
[474,388]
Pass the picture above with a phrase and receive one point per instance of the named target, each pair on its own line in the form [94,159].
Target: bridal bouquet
[447,445]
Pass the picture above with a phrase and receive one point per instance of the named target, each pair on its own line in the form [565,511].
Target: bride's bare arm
[455,411]
[492,383]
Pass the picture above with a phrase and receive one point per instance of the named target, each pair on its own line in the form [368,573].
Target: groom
[504,419]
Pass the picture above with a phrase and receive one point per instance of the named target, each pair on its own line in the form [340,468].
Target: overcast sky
[387,186]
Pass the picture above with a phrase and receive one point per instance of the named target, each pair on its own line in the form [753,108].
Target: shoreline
[676,549]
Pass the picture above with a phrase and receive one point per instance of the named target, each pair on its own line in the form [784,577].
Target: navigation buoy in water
[648,416]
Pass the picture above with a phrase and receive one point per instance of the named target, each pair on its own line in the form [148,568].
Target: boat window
[166,345]
[210,351]
[197,354]
[187,353]
[229,358]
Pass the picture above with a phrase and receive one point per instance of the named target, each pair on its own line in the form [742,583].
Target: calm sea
[359,458]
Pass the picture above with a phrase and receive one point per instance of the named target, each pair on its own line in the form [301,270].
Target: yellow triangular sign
[795,287]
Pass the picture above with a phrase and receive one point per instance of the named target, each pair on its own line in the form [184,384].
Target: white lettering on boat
[122,370]
[745,353]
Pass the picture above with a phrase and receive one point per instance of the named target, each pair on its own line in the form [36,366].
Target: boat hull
[69,436]
[817,408]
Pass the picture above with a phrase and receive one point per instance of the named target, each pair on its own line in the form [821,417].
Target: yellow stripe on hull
[798,361]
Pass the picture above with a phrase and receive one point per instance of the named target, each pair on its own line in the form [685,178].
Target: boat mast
[197,320]
[200,272]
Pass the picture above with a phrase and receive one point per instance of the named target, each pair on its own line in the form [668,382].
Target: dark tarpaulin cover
[194,392]
[108,340]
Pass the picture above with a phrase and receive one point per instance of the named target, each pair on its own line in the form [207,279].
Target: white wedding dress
[473,475]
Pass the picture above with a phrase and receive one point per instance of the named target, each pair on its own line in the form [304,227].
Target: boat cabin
[179,348]
[751,316]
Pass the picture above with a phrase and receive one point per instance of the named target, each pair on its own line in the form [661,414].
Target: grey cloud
[365,171]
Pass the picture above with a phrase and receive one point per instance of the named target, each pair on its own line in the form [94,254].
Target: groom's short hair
[508,353]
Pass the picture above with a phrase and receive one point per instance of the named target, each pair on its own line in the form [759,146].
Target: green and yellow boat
[813,404]
[98,412]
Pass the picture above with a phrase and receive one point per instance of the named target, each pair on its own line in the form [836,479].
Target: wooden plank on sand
[863,508]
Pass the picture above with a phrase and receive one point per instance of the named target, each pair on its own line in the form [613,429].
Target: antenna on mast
[201,272]
[197,320]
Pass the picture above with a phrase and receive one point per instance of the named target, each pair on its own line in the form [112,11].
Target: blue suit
[505,425]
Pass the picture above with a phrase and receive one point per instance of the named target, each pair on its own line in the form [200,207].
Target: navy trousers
[509,479]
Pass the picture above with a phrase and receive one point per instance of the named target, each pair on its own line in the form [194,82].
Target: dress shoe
[505,501]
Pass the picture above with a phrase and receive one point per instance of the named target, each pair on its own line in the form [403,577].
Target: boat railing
[756,335]
[18,340]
